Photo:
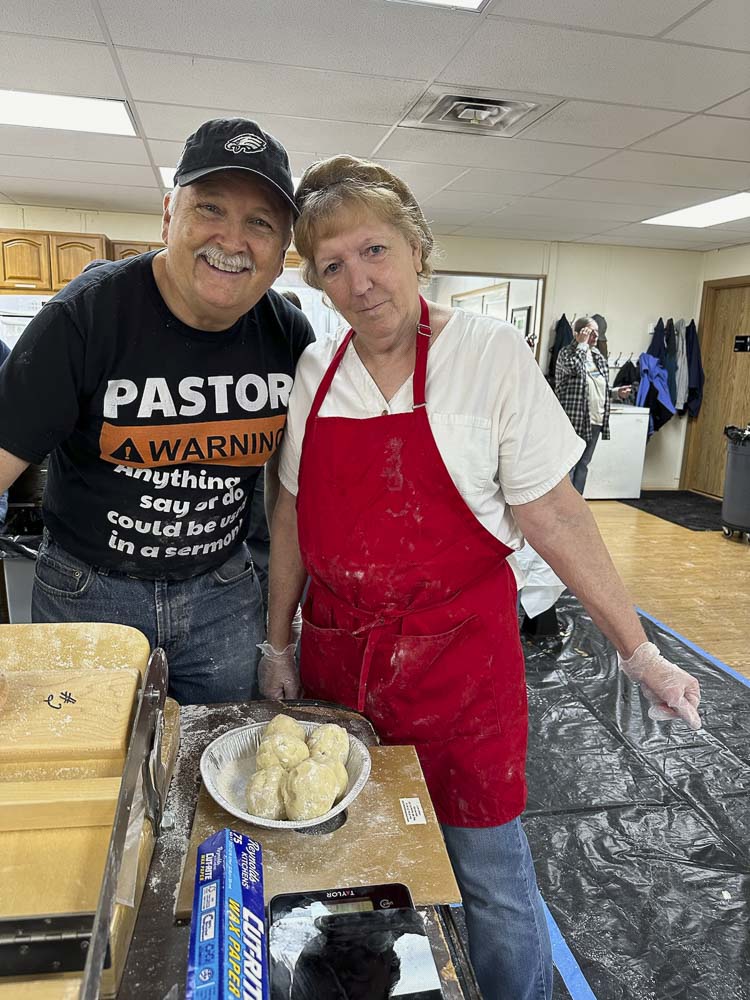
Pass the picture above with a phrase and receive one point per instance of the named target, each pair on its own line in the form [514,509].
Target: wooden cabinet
[120,250]
[69,254]
[45,262]
[24,261]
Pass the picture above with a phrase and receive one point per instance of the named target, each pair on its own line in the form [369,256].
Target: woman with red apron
[410,614]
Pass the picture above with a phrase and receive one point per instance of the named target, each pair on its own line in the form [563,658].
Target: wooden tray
[374,845]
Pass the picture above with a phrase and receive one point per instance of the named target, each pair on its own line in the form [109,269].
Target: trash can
[735,508]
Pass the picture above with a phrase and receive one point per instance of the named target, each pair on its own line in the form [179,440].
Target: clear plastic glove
[673,692]
[297,625]
[278,676]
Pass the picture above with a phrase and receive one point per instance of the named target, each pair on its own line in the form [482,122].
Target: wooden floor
[696,582]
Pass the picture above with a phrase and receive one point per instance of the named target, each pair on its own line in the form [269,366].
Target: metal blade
[144,757]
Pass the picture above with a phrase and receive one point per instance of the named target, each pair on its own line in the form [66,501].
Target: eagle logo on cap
[247,143]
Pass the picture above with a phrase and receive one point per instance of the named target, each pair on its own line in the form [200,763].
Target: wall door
[725,314]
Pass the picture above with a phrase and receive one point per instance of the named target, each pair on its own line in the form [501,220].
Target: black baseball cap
[236,144]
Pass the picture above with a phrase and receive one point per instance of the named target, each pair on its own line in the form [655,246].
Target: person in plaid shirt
[582,386]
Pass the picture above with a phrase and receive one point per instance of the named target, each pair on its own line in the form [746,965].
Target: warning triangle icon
[127,452]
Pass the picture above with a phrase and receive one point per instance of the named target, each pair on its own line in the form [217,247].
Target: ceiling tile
[458,201]
[638,71]
[72,145]
[664,169]
[424,179]
[560,208]
[724,23]
[438,230]
[67,194]
[737,107]
[50,65]
[741,226]
[72,19]
[671,234]
[508,233]
[443,217]
[310,93]
[514,217]
[661,196]
[50,168]
[608,239]
[502,181]
[641,17]
[589,123]
[167,121]
[724,138]
[401,39]
[426,145]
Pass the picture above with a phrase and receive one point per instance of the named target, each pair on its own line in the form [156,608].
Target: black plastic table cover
[640,830]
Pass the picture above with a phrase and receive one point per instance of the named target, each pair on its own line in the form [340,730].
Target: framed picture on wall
[489,301]
[521,319]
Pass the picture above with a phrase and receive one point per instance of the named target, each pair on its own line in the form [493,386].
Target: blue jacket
[653,392]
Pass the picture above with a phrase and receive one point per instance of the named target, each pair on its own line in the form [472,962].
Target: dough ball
[342,775]
[284,724]
[280,750]
[264,796]
[329,741]
[309,790]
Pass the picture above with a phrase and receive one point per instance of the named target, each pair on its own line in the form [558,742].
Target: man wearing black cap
[158,386]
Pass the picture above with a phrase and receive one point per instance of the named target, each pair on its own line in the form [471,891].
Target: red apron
[410,616]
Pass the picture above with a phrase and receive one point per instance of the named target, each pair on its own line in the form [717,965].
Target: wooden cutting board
[64,716]
[71,645]
[61,873]
[60,870]
[375,844]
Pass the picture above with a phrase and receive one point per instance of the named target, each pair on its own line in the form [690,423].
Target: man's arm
[561,528]
[11,468]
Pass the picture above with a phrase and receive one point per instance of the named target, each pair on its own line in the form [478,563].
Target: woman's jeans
[207,625]
[509,942]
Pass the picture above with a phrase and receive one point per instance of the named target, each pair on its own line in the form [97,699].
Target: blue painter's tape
[697,649]
[569,969]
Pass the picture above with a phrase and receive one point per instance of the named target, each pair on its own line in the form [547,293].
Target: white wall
[630,287]
[730,263]
[116,225]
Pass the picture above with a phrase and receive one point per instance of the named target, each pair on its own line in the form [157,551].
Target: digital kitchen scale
[355,943]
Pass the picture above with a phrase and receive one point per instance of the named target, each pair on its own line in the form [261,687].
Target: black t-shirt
[156,432]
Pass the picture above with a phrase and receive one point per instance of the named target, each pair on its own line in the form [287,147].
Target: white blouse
[498,426]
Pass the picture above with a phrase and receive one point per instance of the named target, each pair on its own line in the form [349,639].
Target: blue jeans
[509,942]
[208,625]
[580,470]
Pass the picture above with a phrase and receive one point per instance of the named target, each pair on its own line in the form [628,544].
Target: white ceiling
[653,103]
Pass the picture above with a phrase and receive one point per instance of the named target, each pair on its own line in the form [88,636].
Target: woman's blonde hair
[347,181]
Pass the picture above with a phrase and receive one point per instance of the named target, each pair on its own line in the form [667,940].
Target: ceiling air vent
[482,114]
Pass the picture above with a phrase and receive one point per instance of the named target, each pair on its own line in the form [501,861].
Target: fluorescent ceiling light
[475,5]
[167,177]
[710,213]
[72,114]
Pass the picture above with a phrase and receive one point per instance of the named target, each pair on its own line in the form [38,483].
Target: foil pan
[228,763]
